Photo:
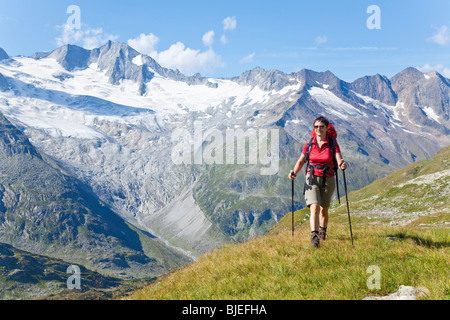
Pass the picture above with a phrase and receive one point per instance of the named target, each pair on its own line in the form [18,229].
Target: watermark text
[235,146]
[74,281]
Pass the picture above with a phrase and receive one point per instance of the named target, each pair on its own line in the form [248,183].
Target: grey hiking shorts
[314,194]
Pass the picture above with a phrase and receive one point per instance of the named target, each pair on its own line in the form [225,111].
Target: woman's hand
[292,175]
[343,165]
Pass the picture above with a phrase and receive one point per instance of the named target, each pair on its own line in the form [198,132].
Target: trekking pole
[292,207]
[348,210]
[337,186]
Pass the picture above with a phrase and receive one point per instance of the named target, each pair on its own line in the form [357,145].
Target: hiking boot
[315,241]
[322,233]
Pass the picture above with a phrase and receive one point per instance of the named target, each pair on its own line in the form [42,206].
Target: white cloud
[248,59]
[446,72]
[86,37]
[442,37]
[177,56]
[189,61]
[438,68]
[145,44]
[208,38]
[229,23]
[320,40]
[223,39]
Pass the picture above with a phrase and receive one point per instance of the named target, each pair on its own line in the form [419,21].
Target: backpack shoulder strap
[308,151]
[332,142]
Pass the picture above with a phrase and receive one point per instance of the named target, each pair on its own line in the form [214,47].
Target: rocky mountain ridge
[108,117]
[44,210]
[118,60]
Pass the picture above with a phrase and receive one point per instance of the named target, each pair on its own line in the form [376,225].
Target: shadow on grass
[419,241]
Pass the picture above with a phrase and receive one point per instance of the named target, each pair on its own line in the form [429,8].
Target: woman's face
[320,128]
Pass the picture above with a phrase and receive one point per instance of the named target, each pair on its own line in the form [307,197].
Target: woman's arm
[341,163]
[298,166]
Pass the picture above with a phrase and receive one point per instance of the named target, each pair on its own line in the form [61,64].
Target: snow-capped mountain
[109,117]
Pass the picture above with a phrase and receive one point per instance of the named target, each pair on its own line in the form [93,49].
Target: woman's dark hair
[323,120]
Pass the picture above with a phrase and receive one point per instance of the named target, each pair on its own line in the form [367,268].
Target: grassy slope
[408,251]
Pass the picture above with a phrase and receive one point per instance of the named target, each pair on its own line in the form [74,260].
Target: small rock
[403,293]
[406,293]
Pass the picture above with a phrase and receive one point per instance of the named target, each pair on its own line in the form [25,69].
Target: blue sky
[226,38]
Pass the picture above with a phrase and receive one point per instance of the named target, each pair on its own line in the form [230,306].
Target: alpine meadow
[408,243]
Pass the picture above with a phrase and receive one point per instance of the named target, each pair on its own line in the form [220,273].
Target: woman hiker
[317,191]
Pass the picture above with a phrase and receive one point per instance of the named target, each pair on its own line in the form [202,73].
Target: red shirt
[321,156]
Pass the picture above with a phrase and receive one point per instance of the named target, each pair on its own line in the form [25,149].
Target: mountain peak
[113,51]
[3,54]
[71,57]
[326,79]
[377,87]
[266,80]
[312,77]
[117,60]
[117,48]
[424,98]
[410,74]
[436,75]
[411,70]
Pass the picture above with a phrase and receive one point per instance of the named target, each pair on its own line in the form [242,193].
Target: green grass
[278,266]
